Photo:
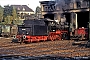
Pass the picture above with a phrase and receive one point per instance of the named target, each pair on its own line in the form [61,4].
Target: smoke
[62,4]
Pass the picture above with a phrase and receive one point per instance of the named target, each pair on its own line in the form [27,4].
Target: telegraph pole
[88,43]
[89,20]
[89,26]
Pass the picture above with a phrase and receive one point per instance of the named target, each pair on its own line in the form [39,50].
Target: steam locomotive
[44,29]
[40,30]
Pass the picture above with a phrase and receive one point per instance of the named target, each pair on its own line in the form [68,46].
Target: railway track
[57,48]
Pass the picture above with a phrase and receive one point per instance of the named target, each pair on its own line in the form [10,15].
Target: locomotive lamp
[24,36]
[14,36]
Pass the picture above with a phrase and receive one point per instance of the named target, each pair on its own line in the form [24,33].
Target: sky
[31,3]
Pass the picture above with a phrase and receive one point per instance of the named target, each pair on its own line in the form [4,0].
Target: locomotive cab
[51,24]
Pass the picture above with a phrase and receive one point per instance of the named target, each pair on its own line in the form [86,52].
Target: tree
[14,14]
[1,13]
[38,11]
[8,10]
[7,14]
[8,20]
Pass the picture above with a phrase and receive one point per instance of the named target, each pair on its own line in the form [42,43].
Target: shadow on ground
[14,57]
[85,43]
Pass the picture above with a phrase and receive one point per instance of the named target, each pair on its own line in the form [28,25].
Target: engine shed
[47,9]
[75,12]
